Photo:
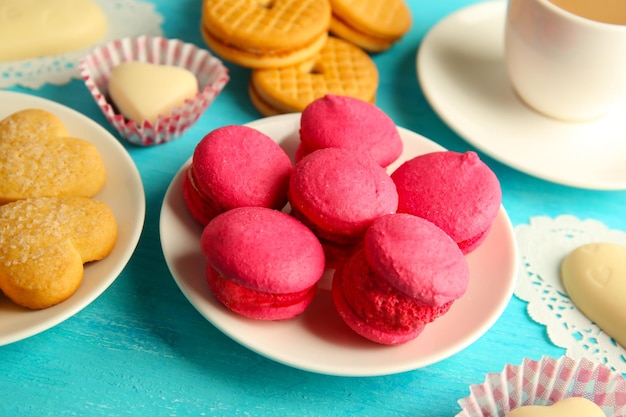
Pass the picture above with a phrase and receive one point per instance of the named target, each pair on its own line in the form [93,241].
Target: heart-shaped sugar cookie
[567,407]
[39,159]
[143,91]
[35,28]
[44,243]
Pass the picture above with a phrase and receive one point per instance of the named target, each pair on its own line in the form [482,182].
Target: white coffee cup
[567,58]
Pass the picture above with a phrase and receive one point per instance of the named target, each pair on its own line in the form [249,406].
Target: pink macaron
[236,166]
[334,121]
[407,273]
[262,263]
[456,191]
[338,196]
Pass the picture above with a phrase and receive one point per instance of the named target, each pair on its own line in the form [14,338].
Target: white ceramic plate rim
[123,193]
[460,67]
[318,341]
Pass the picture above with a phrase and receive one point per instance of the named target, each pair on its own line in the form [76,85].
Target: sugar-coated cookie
[374,25]
[334,121]
[265,34]
[38,158]
[338,196]
[456,191]
[407,274]
[339,68]
[236,166]
[262,263]
[45,242]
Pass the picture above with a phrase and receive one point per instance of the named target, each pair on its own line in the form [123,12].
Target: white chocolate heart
[143,91]
[594,277]
[568,407]
[34,28]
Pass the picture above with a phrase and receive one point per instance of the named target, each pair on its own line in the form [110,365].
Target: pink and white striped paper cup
[95,69]
[545,382]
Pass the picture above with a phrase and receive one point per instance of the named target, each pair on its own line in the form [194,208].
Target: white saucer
[123,193]
[460,66]
[318,341]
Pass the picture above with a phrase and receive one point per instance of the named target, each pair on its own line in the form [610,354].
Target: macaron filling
[394,326]
[376,301]
[468,245]
[258,304]
[261,262]
[201,207]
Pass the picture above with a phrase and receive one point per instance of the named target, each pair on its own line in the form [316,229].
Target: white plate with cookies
[123,192]
[318,340]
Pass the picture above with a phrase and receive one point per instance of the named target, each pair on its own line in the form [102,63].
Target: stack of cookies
[300,51]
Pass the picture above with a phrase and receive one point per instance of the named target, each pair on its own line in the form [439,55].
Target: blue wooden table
[142,349]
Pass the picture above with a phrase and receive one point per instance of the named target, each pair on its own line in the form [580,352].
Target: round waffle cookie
[340,68]
[373,25]
[265,33]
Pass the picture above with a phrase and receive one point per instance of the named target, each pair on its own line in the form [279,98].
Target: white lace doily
[543,244]
[125,18]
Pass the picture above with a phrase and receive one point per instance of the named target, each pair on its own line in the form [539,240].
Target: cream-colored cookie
[567,407]
[35,28]
[44,243]
[265,34]
[340,68]
[594,277]
[143,91]
[38,158]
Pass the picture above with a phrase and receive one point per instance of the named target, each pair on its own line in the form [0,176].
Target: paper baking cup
[212,75]
[545,382]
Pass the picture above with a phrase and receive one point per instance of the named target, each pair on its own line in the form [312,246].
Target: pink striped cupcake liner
[95,70]
[545,382]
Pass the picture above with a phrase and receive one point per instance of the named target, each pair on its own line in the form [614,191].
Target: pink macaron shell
[374,309]
[238,166]
[417,258]
[256,304]
[338,195]
[301,151]
[334,121]
[468,245]
[337,253]
[201,210]
[456,191]
[263,249]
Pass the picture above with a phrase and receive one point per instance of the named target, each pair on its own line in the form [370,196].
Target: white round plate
[123,193]
[318,341]
[460,66]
